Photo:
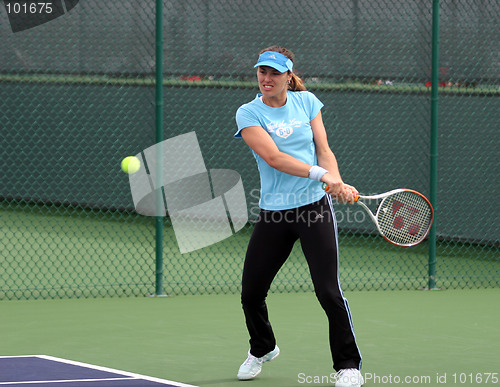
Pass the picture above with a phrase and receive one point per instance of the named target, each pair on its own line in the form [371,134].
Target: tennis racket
[403,216]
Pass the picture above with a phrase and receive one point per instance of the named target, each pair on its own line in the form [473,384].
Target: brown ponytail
[296,83]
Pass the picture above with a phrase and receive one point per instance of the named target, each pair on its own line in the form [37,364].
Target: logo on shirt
[283,129]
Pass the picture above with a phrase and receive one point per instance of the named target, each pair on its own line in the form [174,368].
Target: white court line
[130,375]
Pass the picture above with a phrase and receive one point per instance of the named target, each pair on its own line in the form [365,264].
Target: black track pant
[270,245]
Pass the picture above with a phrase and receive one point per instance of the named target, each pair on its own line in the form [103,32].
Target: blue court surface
[48,371]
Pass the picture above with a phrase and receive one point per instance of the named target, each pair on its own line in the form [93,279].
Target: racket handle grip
[325,187]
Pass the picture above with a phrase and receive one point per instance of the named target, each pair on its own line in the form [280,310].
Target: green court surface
[406,337]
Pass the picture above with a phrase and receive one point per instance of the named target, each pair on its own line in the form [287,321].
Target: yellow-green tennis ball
[131,164]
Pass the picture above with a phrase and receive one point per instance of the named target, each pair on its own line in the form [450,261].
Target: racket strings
[405,217]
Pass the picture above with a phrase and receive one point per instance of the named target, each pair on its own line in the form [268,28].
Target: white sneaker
[252,366]
[349,377]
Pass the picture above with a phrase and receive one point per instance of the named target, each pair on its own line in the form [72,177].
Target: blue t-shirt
[290,128]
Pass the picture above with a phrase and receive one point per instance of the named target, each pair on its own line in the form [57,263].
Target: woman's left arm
[327,160]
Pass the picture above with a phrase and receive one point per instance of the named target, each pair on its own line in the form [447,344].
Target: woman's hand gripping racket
[403,216]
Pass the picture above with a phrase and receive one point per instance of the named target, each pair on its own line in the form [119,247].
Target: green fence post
[434,140]
[159,139]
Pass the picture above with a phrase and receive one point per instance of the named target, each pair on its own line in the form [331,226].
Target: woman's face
[272,83]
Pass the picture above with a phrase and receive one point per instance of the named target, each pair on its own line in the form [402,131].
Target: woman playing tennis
[284,129]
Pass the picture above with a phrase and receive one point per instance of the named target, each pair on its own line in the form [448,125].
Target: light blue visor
[275,60]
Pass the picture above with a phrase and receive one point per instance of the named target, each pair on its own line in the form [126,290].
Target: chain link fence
[77,95]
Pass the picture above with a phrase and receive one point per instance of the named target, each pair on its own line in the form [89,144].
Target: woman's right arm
[261,143]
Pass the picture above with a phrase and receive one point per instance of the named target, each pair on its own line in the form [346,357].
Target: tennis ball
[131,164]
